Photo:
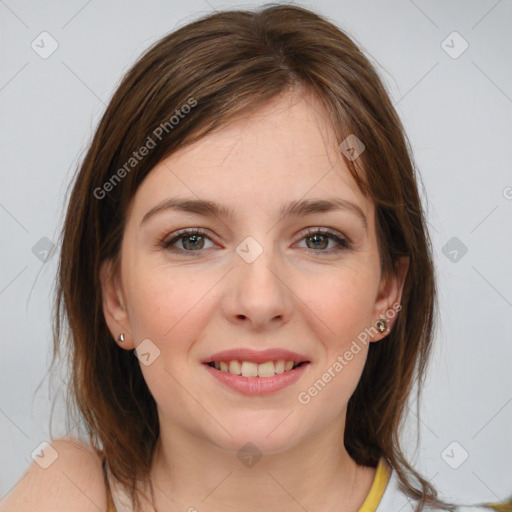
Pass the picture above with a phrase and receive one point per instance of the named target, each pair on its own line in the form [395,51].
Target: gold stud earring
[382,324]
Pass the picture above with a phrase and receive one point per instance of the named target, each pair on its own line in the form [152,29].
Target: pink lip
[255,356]
[257,386]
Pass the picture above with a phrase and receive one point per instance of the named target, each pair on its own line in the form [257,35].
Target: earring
[382,324]
[121,338]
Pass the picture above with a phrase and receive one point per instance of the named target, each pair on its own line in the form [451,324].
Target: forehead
[282,152]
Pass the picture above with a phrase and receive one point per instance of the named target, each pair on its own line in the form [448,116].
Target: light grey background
[457,113]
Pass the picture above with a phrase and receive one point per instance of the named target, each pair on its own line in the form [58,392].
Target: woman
[248,282]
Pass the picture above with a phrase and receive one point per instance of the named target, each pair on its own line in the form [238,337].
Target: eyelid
[316,229]
[342,240]
[168,240]
[306,231]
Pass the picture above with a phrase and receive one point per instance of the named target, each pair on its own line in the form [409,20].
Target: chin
[262,437]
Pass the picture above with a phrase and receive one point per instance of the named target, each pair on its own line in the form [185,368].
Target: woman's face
[252,279]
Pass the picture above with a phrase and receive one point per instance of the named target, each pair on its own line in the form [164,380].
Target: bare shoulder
[69,472]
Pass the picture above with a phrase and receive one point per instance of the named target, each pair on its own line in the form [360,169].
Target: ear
[114,309]
[389,296]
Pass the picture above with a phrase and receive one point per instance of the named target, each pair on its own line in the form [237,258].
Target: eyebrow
[299,208]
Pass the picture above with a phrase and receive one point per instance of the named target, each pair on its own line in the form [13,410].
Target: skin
[294,296]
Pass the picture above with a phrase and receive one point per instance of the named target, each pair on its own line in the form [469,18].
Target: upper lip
[256,356]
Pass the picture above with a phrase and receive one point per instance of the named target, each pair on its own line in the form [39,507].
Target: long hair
[207,73]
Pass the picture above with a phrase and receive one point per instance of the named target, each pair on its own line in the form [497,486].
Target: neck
[318,474]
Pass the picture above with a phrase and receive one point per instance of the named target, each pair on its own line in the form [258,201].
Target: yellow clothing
[378,487]
[501,507]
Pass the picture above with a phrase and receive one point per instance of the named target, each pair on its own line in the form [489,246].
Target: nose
[257,293]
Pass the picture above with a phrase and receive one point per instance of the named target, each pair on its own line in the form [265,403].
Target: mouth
[252,369]
[256,372]
[256,379]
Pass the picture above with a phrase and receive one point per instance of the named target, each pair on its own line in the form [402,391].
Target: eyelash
[344,244]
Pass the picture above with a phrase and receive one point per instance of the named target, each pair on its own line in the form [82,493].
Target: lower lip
[257,386]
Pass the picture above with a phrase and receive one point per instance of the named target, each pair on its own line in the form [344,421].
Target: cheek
[343,308]
[342,301]
[163,302]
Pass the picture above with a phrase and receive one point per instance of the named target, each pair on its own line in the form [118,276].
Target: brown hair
[230,63]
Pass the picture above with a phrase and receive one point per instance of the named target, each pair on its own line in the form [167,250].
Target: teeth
[250,369]
[266,369]
[279,366]
[235,368]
